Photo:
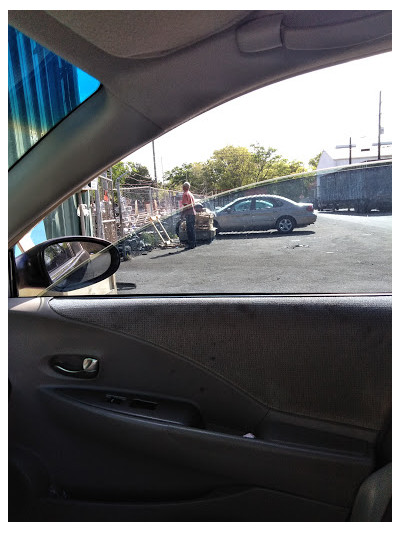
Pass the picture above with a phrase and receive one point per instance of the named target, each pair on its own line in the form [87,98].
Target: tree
[272,165]
[117,170]
[138,176]
[194,173]
[283,167]
[178,175]
[230,167]
[264,161]
[135,174]
[313,163]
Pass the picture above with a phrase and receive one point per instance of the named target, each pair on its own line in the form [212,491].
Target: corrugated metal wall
[362,183]
[43,89]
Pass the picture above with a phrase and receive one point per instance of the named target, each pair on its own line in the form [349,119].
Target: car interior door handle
[76,366]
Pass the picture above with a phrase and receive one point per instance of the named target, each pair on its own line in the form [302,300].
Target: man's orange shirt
[188,200]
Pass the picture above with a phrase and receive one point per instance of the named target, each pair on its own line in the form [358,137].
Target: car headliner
[165,68]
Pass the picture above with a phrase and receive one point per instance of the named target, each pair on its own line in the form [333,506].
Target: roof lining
[145,34]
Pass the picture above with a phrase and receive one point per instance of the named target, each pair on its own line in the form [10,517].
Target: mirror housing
[66,264]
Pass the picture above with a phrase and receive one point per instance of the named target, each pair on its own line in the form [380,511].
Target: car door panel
[344,329]
[263,218]
[239,218]
[264,214]
[175,444]
[244,461]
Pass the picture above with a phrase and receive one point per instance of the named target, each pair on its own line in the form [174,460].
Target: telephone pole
[154,163]
[380,129]
[349,146]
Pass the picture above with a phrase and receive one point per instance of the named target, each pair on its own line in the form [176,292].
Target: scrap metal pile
[204,227]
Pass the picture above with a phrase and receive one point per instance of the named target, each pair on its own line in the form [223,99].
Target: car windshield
[42,90]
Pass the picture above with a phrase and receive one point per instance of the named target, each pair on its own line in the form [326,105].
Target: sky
[299,117]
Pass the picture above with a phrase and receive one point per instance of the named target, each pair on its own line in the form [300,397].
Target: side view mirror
[66,264]
[229,210]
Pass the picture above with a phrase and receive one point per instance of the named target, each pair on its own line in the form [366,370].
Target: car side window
[263,204]
[335,208]
[241,207]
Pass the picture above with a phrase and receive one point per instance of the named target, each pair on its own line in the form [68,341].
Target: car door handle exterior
[76,366]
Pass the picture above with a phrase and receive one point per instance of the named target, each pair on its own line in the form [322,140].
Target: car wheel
[285,224]
[361,207]
[216,226]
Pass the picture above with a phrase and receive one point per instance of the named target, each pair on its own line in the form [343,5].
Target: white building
[360,154]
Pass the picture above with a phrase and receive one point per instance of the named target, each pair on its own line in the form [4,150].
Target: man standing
[189,213]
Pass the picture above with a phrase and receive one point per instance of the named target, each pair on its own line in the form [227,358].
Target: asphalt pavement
[340,253]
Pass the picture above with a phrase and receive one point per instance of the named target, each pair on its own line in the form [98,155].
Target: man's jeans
[190,231]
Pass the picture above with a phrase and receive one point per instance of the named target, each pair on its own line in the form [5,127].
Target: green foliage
[265,161]
[138,176]
[283,167]
[133,174]
[232,167]
[116,171]
[150,238]
[228,168]
[313,163]
[178,175]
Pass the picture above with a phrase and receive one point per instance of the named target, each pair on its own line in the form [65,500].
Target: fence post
[99,221]
[119,206]
[151,201]
[82,216]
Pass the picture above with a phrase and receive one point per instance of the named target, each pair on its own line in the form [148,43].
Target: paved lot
[341,252]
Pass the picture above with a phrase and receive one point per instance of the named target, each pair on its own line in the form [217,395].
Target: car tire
[361,207]
[285,224]
[216,226]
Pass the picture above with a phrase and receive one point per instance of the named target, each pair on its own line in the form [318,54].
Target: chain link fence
[103,210]
[139,204]
[125,215]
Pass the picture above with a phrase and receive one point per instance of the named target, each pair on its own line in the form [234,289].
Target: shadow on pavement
[125,286]
[262,235]
[169,253]
[235,236]
[347,213]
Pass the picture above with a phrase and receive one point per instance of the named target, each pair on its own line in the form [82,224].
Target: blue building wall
[43,89]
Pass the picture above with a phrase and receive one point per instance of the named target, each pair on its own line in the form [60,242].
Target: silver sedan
[261,212]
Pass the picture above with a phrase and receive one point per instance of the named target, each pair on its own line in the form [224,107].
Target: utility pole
[379,127]
[154,163]
[350,151]
[349,146]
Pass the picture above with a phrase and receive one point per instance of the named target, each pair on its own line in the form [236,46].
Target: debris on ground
[300,246]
